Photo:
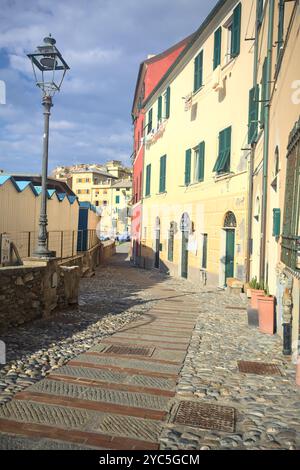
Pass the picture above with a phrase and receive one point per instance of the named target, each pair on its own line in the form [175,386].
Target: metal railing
[290,251]
[66,243]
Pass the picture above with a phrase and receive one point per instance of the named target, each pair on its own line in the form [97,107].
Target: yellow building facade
[197,155]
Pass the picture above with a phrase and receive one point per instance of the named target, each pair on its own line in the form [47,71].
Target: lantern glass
[49,67]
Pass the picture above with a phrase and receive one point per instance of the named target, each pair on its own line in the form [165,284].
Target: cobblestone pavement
[115,370]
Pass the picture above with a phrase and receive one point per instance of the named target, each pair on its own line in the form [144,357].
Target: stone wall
[39,287]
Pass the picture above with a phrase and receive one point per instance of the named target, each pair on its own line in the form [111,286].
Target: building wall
[212,111]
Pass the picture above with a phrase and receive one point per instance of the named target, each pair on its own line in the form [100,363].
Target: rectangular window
[167,100]
[198,71]
[159,109]
[217,47]
[263,94]
[280,36]
[200,162]
[276,222]
[222,164]
[236,31]
[150,121]
[117,199]
[253,115]
[162,174]
[148,180]
[188,161]
[204,250]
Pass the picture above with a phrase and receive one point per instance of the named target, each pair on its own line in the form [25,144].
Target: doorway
[229,255]
[157,243]
[185,231]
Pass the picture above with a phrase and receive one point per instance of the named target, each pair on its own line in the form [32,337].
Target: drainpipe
[266,143]
[251,163]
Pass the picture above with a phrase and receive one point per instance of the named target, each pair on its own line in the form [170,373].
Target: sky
[103,42]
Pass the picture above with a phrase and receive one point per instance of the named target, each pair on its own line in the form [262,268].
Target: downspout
[266,143]
[251,163]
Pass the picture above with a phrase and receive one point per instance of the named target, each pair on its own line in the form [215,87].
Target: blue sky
[103,41]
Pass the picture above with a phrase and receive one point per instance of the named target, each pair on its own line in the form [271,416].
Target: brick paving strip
[109,401]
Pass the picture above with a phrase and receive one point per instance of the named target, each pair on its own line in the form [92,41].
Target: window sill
[194,184]
[223,176]
[162,193]
[197,91]
[230,62]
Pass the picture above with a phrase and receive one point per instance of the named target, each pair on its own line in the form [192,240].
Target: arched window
[185,223]
[230,220]
[171,236]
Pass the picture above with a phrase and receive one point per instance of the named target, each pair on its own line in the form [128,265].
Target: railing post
[29,243]
[61,244]
[73,233]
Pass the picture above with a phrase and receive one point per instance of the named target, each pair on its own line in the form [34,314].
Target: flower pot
[266,314]
[254,296]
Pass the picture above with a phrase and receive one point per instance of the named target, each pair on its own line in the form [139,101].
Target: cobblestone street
[111,373]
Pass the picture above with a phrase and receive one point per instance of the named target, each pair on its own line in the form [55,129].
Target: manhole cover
[259,368]
[206,416]
[129,350]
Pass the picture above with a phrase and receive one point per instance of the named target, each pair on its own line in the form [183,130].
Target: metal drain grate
[258,368]
[206,416]
[125,350]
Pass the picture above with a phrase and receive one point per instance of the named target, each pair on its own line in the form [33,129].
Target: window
[198,72]
[236,31]
[217,48]
[276,222]
[162,174]
[199,163]
[117,199]
[97,203]
[188,161]
[159,109]
[290,254]
[79,180]
[263,94]
[253,114]
[105,203]
[79,191]
[149,121]
[280,35]
[260,13]
[148,180]
[167,102]
[222,164]
[105,191]
[204,250]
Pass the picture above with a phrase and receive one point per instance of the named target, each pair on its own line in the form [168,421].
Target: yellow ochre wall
[208,202]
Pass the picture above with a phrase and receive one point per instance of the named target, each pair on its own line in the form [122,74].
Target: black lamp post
[49,70]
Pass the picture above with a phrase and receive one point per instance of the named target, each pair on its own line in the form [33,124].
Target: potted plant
[257,290]
[266,312]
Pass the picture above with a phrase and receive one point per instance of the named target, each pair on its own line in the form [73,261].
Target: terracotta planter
[254,296]
[266,314]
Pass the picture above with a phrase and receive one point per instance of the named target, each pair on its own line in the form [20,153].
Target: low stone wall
[39,287]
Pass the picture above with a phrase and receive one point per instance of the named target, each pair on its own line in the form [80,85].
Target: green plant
[256,285]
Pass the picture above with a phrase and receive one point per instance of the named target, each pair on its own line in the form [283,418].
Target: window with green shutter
[159,109]
[150,114]
[117,199]
[168,102]
[188,161]
[276,222]
[198,71]
[217,47]
[280,36]
[263,94]
[253,114]
[200,162]
[222,164]
[260,13]
[162,174]
[148,180]
[236,31]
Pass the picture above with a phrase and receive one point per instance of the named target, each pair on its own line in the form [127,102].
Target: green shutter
[150,121]
[260,12]
[263,93]
[198,71]
[236,31]
[217,48]
[148,180]
[280,37]
[162,174]
[159,109]
[253,115]
[276,222]
[201,161]
[117,199]
[188,161]
[222,164]
[168,102]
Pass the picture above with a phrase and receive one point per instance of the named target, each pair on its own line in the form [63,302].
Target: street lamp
[49,70]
